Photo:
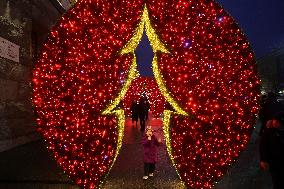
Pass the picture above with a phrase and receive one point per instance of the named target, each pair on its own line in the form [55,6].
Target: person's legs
[146,115]
[151,169]
[146,170]
[142,124]
[136,120]
[141,127]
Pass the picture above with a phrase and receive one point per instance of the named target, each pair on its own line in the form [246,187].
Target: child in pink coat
[150,144]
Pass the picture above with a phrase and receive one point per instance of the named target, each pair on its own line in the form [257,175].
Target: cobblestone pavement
[31,167]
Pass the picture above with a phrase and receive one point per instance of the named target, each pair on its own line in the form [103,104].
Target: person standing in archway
[142,113]
[150,143]
[134,112]
[147,106]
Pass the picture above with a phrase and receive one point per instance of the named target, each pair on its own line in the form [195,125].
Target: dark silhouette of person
[272,150]
[134,112]
[142,113]
[268,109]
[147,106]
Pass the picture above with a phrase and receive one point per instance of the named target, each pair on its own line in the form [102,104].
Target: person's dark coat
[142,110]
[147,108]
[272,147]
[272,152]
[134,111]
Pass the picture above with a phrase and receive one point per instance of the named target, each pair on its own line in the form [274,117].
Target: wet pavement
[31,167]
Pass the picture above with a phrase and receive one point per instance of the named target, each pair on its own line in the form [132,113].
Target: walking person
[142,114]
[150,144]
[147,108]
[134,113]
[272,150]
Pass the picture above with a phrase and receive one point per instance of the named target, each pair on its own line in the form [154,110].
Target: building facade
[271,70]
[24,25]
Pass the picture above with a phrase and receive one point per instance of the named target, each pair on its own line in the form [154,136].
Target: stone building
[271,70]
[24,27]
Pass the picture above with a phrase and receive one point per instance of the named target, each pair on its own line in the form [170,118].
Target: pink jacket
[150,149]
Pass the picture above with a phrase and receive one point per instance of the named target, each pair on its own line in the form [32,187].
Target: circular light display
[203,66]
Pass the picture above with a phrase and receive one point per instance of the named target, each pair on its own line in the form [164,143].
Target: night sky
[261,20]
